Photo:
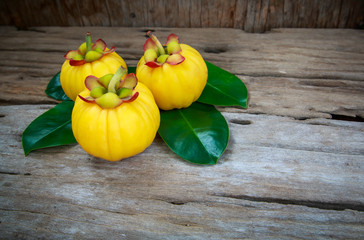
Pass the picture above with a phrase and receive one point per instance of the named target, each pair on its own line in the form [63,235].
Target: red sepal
[132,98]
[111,50]
[99,44]
[172,37]
[92,82]
[130,81]
[150,44]
[153,64]
[88,99]
[77,62]
[175,59]
[71,54]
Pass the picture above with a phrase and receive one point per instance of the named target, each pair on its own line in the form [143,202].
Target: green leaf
[198,134]
[223,88]
[131,69]
[54,89]
[52,128]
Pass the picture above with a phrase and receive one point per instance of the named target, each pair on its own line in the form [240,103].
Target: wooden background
[294,166]
[293,169]
[249,15]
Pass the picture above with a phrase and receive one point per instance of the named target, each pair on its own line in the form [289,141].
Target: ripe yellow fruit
[89,59]
[73,77]
[116,133]
[176,77]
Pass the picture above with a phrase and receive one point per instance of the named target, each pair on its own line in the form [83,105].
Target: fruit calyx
[111,90]
[88,52]
[156,54]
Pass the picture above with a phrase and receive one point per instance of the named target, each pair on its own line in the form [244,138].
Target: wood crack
[31,29]
[15,173]
[312,204]
[274,75]
[340,117]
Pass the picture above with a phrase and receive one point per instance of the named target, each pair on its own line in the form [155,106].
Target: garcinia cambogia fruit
[175,73]
[89,59]
[115,117]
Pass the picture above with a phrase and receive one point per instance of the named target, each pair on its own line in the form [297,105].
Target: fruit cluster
[116,114]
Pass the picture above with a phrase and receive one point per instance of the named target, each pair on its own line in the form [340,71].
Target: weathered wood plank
[300,73]
[264,152]
[120,217]
[279,178]
[305,98]
[250,15]
[276,13]
[257,16]
[240,13]
[158,219]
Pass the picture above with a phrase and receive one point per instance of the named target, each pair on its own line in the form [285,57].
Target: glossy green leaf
[54,89]
[198,134]
[223,88]
[52,128]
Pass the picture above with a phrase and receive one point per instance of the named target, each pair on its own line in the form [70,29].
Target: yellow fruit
[176,77]
[73,77]
[89,59]
[116,133]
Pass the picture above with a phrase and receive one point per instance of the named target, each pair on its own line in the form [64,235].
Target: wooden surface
[249,15]
[293,169]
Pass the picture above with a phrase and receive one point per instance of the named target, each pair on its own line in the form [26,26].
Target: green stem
[88,42]
[117,76]
[157,42]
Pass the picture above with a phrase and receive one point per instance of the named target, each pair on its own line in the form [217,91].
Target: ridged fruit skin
[73,77]
[175,86]
[121,132]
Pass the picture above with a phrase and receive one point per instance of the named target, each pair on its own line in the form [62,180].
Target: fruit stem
[88,42]
[117,76]
[157,42]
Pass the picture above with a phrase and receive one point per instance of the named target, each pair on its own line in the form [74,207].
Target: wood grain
[302,73]
[276,176]
[293,168]
[249,15]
